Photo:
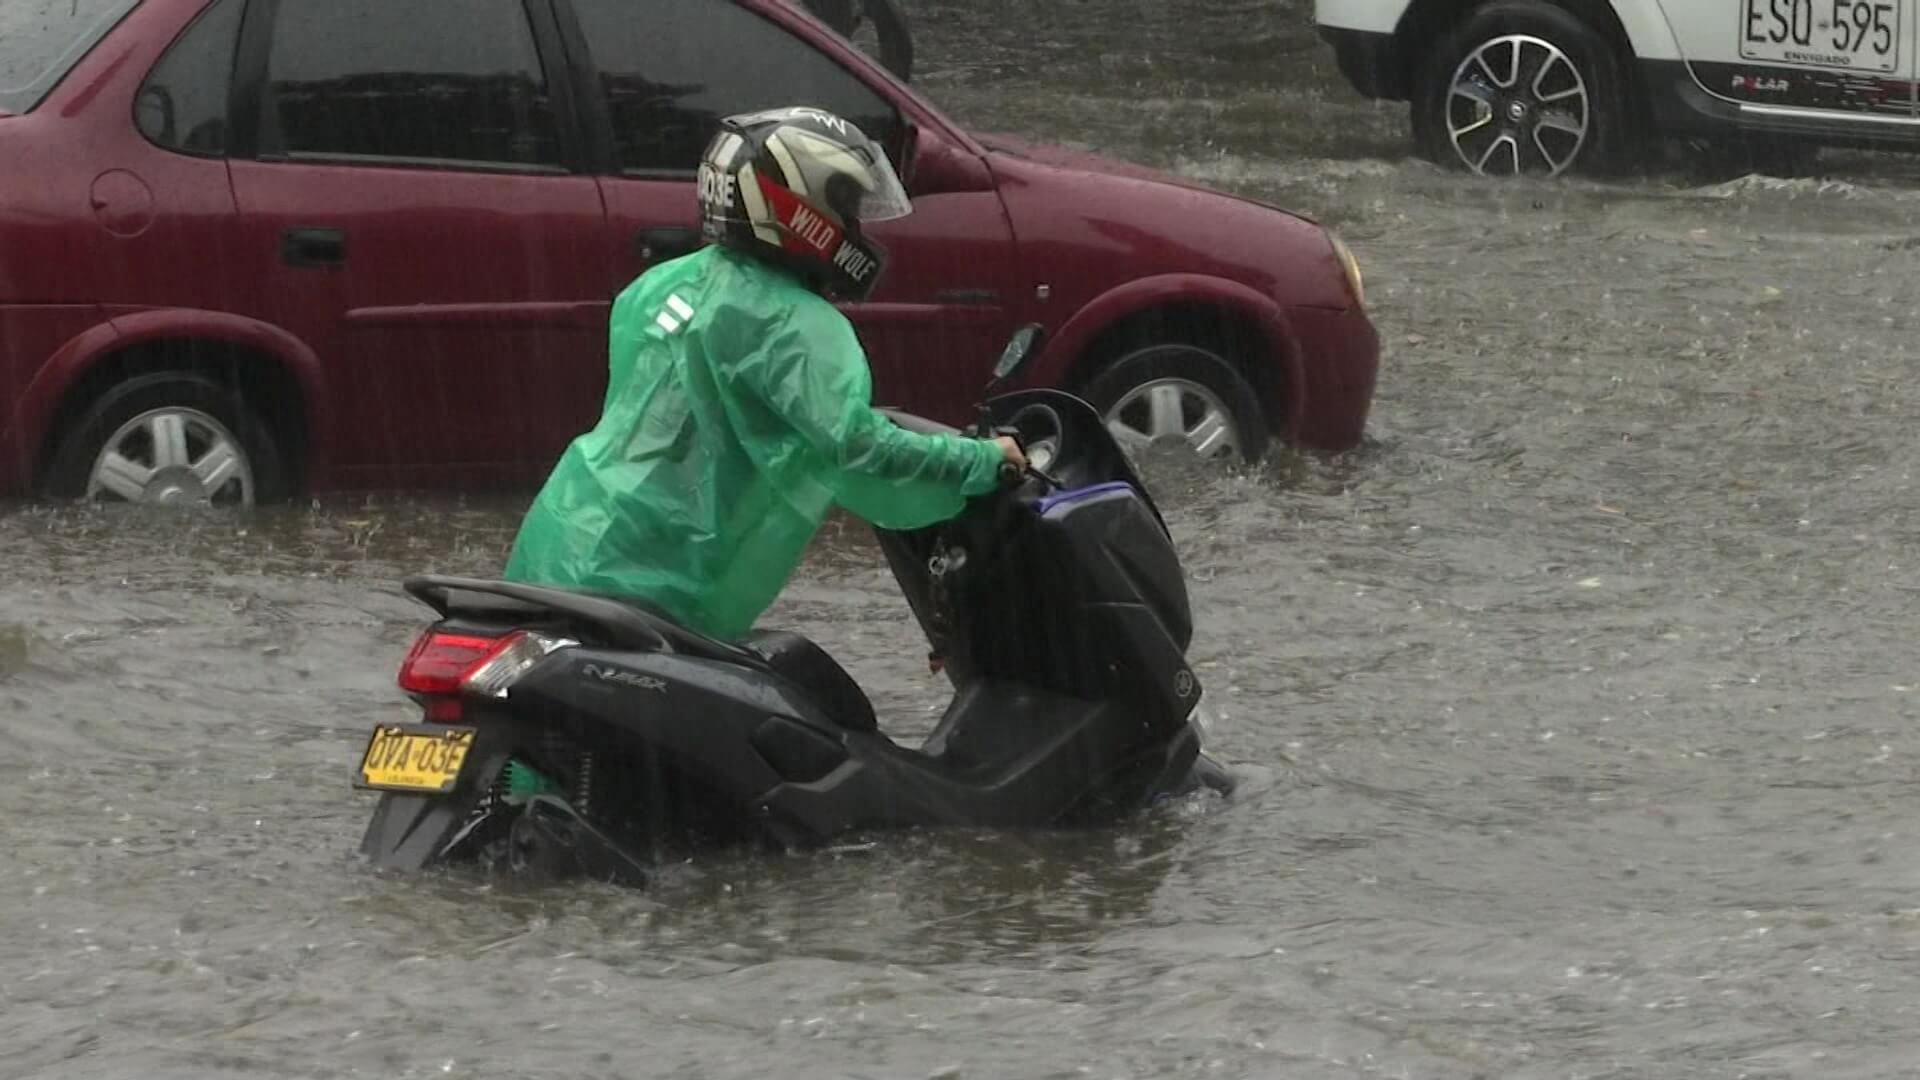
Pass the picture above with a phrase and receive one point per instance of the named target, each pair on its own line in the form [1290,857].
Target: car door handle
[664,242]
[313,247]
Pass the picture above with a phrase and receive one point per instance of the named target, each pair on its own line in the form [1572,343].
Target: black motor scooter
[569,732]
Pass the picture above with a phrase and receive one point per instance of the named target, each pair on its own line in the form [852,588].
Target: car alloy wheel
[1168,412]
[172,456]
[1518,105]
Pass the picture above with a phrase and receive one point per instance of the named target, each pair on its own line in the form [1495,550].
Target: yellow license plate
[407,757]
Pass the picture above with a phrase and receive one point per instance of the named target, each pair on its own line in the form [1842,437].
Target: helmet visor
[887,198]
[855,181]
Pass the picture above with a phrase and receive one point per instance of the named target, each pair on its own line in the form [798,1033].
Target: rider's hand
[1010,450]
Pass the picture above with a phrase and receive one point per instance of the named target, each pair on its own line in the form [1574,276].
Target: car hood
[1062,158]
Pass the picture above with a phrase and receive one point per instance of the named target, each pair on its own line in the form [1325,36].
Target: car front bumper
[1339,354]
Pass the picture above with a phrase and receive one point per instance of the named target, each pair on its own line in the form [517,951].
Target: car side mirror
[937,167]
[1021,348]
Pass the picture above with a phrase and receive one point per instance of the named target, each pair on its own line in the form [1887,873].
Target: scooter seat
[808,666]
[632,623]
[787,654]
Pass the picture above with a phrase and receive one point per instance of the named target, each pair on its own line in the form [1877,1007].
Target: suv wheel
[1165,396]
[169,438]
[1521,88]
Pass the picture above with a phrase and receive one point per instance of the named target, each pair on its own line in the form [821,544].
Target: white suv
[1542,86]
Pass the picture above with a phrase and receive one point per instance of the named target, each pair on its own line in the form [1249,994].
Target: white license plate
[1853,35]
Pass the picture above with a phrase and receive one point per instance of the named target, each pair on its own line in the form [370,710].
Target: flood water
[1576,710]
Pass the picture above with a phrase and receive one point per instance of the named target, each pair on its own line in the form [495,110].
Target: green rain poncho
[738,411]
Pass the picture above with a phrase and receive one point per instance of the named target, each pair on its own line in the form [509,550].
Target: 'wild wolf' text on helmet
[794,186]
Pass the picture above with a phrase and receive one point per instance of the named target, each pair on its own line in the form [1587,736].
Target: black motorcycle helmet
[794,186]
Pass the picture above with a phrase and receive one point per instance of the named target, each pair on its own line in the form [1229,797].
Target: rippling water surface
[1576,709]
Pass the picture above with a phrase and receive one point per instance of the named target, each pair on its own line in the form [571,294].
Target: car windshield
[41,39]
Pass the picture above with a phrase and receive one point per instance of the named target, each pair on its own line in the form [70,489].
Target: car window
[672,68]
[456,81]
[183,104]
[41,39]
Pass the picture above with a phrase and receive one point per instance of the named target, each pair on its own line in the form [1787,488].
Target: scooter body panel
[1061,616]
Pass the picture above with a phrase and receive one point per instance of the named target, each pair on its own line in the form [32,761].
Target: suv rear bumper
[1370,60]
[1681,106]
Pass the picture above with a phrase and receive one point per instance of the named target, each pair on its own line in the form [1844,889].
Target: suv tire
[1522,87]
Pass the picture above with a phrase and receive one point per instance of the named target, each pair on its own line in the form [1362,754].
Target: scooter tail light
[439,660]
[517,654]
[442,663]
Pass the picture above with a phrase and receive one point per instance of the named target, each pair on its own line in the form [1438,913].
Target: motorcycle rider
[738,406]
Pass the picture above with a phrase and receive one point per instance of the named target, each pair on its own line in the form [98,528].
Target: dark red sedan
[251,247]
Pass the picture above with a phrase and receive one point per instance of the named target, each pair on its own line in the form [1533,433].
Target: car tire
[1209,389]
[1473,111]
[200,422]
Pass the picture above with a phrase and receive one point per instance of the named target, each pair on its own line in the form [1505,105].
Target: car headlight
[1355,280]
